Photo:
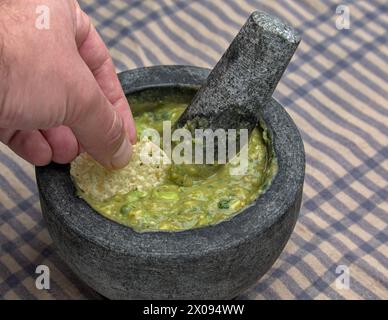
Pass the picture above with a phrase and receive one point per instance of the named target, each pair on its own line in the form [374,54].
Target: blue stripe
[369,16]
[10,191]
[28,236]
[267,292]
[227,20]
[116,43]
[344,63]
[125,31]
[304,92]
[202,38]
[325,131]
[320,47]
[151,17]
[15,280]
[209,24]
[296,260]
[355,173]
[128,31]
[336,117]
[321,235]
[341,226]
[300,60]
[18,172]
[185,45]
[237,9]
[92,9]
[326,18]
[323,282]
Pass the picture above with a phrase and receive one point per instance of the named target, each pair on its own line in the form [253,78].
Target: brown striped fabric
[335,89]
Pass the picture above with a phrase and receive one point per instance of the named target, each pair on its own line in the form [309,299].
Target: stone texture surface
[244,79]
[217,262]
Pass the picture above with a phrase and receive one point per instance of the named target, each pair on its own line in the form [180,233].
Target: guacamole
[169,206]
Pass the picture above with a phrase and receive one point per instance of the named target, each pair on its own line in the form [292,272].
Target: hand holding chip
[58,88]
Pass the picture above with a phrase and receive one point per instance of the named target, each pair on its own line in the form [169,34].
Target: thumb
[97,125]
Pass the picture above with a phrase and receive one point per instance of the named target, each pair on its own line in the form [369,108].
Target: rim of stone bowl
[58,193]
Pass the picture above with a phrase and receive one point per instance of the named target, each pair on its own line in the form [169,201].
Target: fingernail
[121,158]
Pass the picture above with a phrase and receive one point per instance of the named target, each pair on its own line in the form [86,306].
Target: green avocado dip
[172,207]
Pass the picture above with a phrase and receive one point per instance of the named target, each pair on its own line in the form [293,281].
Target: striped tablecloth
[335,89]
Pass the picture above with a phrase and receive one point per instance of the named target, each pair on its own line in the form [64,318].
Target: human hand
[58,88]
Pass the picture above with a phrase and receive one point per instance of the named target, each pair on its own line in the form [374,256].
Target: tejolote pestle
[241,82]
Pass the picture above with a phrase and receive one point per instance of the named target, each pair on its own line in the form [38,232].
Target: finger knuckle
[115,131]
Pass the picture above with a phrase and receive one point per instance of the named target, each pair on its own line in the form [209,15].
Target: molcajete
[213,262]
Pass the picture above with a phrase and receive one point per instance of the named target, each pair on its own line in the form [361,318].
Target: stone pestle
[244,78]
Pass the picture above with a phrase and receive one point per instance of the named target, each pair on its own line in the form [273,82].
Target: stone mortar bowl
[214,262]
